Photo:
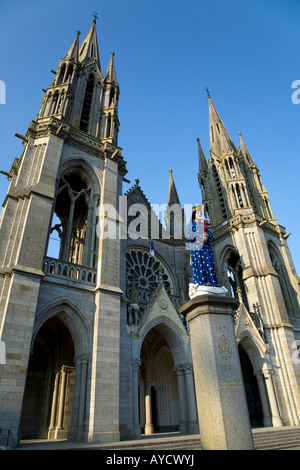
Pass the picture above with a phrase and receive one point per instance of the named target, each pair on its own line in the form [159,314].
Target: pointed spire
[89,47]
[201,158]
[245,151]
[220,141]
[172,195]
[74,49]
[111,70]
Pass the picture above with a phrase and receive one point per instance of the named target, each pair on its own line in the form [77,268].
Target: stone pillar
[276,420]
[82,397]
[77,430]
[221,400]
[135,398]
[263,398]
[48,389]
[182,399]
[54,405]
[61,404]
[192,425]
[148,406]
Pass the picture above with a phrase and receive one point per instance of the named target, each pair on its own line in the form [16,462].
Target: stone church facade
[95,349]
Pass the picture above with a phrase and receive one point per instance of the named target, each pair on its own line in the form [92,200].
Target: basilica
[96,349]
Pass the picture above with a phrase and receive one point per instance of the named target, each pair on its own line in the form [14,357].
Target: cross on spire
[95,15]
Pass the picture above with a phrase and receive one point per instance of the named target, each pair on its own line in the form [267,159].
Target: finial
[207,91]
[78,32]
[170,171]
[95,17]
[137,182]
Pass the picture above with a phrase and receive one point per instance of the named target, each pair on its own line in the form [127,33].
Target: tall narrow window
[87,103]
[108,128]
[220,193]
[69,72]
[61,74]
[54,103]
[68,230]
[111,96]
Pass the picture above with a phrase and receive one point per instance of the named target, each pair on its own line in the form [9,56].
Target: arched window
[70,218]
[61,74]
[111,96]
[69,72]
[235,276]
[220,193]
[288,293]
[87,103]
[54,103]
[60,102]
[108,126]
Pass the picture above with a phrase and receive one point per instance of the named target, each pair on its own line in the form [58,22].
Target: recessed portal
[48,397]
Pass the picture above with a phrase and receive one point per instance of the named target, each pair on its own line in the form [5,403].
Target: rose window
[146,271]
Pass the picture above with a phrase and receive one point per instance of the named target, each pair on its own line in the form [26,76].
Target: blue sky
[166,52]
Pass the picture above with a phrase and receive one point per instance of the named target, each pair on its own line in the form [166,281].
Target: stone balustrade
[64,270]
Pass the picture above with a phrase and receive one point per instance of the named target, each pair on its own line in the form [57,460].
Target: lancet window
[87,103]
[220,193]
[70,220]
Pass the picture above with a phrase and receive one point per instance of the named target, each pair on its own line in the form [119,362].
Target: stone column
[148,406]
[61,404]
[192,425]
[182,399]
[276,420]
[48,389]
[135,398]
[263,398]
[54,405]
[82,397]
[221,400]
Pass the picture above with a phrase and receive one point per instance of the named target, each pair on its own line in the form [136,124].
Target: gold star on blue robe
[202,257]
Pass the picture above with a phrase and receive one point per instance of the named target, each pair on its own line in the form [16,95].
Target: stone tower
[59,313]
[253,260]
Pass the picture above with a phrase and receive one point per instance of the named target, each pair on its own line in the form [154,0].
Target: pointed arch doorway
[166,387]
[254,403]
[48,396]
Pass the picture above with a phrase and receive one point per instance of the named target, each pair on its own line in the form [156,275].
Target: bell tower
[251,251]
[71,164]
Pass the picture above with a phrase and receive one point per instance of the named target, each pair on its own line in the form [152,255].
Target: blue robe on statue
[202,257]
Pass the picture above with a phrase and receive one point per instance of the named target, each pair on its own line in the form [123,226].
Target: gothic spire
[220,141]
[89,47]
[245,151]
[201,158]
[111,70]
[172,195]
[74,49]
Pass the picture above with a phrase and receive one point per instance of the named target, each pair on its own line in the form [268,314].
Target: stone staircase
[167,443]
[286,437]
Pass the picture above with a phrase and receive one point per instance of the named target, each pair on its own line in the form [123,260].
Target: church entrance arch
[55,398]
[48,396]
[166,387]
[254,403]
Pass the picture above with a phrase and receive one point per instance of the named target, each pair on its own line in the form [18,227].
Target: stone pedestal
[221,400]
